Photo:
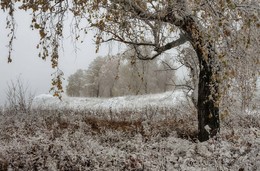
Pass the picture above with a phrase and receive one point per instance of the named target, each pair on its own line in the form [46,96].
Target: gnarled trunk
[208,90]
[208,108]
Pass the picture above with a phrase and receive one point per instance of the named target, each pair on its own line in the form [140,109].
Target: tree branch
[181,40]
[188,87]
[170,67]
[129,42]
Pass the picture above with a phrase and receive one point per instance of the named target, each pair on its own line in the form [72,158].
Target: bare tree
[75,83]
[166,78]
[188,59]
[92,80]
[108,76]
[19,98]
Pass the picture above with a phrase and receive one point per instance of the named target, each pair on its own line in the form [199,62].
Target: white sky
[32,69]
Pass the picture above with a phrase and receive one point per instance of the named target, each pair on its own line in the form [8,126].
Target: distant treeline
[122,74]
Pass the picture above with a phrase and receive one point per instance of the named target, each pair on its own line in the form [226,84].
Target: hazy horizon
[32,69]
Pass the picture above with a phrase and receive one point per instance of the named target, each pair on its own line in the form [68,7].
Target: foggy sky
[34,71]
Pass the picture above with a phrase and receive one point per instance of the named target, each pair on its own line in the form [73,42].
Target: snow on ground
[62,141]
[163,99]
[65,140]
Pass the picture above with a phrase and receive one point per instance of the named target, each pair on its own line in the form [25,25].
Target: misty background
[35,72]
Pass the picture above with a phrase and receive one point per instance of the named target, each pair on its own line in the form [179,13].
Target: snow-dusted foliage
[124,133]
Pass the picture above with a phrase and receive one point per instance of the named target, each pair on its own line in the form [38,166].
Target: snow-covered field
[164,99]
[150,132]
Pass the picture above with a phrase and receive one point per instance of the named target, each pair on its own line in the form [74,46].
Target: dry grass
[183,129]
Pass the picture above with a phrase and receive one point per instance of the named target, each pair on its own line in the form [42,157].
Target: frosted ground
[163,99]
[150,132]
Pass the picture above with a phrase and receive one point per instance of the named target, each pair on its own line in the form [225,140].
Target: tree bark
[208,108]
[208,90]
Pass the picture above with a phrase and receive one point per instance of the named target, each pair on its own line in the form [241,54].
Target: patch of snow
[163,99]
[44,99]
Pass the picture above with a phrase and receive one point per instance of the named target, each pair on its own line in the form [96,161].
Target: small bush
[19,98]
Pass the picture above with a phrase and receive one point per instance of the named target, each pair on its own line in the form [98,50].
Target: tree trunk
[208,109]
[208,90]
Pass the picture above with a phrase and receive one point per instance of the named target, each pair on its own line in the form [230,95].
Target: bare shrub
[18,95]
